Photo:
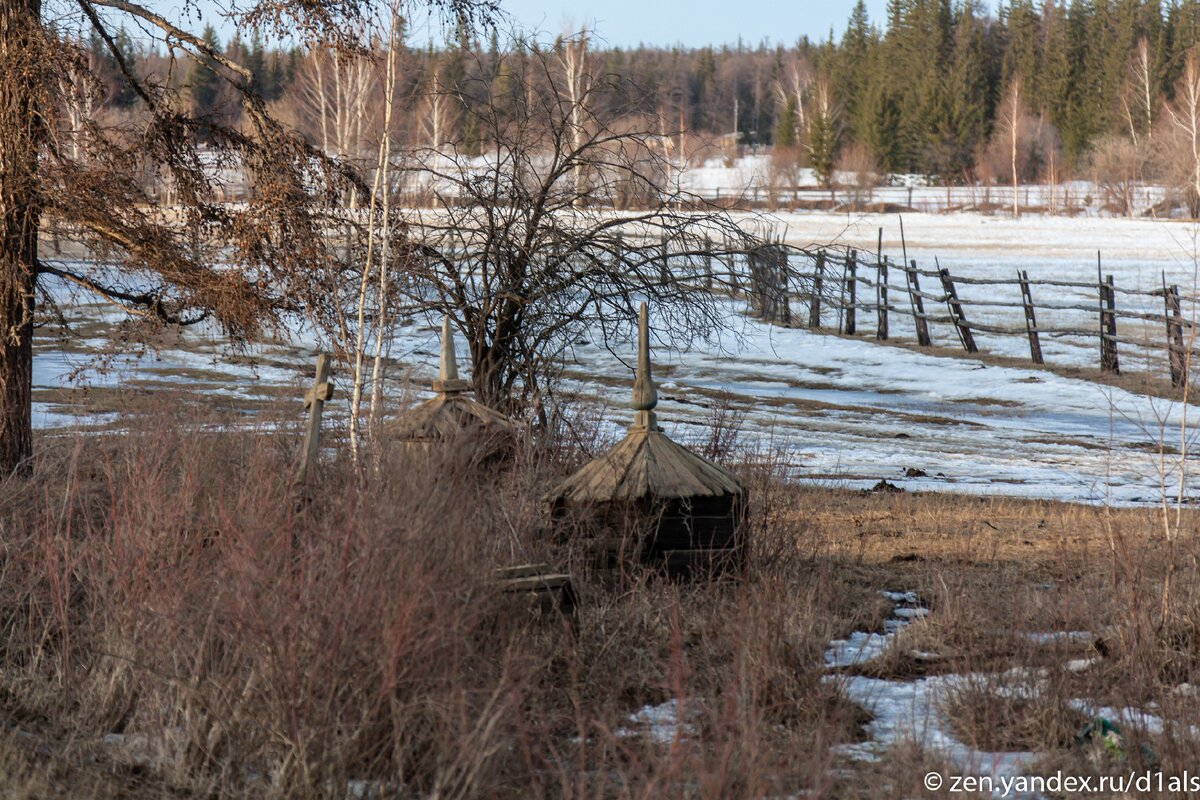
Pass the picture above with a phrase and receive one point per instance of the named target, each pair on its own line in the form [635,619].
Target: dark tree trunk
[21,98]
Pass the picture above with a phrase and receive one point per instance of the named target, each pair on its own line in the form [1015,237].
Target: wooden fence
[854,292]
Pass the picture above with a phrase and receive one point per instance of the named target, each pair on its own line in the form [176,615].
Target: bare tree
[822,124]
[859,164]
[273,250]
[572,55]
[1140,97]
[525,259]
[437,114]
[1011,121]
[791,91]
[1184,116]
[1117,165]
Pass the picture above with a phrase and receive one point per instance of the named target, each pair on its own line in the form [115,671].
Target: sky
[692,23]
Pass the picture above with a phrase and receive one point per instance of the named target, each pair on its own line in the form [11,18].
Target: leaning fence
[859,293]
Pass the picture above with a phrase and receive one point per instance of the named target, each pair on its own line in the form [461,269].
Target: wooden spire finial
[448,380]
[645,394]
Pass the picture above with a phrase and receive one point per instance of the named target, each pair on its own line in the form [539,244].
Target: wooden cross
[314,400]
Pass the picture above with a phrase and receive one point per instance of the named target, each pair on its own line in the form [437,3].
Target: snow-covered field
[751,177]
[855,412]
[850,412]
[1140,254]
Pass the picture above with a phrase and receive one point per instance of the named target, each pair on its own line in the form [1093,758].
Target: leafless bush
[523,250]
[783,175]
[858,171]
[1117,168]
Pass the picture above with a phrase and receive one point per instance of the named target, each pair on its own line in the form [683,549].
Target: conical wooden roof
[448,416]
[646,463]
[450,413]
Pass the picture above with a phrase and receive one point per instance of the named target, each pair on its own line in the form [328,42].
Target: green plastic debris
[1105,732]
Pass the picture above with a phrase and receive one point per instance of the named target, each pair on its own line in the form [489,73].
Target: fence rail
[847,290]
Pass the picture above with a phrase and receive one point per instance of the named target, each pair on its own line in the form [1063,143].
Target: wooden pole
[851,291]
[1109,360]
[731,268]
[784,284]
[918,305]
[881,299]
[814,303]
[665,272]
[1175,349]
[1112,323]
[1035,344]
[314,400]
[708,273]
[760,295]
[956,313]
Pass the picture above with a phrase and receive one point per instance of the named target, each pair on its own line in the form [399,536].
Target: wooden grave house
[452,417]
[654,500]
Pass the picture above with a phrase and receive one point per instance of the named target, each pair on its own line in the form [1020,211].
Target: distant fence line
[843,288]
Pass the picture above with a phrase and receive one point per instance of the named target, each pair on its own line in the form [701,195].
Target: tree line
[928,90]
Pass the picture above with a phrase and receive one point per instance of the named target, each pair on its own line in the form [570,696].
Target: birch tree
[277,241]
[1010,122]
[572,57]
[1139,100]
[1184,115]
[823,130]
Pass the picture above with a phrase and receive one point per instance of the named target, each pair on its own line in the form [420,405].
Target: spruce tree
[202,82]
[785,124]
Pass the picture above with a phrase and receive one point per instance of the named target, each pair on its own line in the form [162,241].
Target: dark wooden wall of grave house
[697,533]
[684,536]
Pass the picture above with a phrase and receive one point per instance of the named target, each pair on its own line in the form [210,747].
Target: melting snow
[910,711]
[843,411]
[661,724]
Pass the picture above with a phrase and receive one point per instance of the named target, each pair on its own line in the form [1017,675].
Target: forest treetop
[921,91]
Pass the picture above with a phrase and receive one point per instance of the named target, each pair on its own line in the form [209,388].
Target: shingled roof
[450,413]
[646,464]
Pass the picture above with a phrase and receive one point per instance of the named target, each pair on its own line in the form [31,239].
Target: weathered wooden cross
[314,400]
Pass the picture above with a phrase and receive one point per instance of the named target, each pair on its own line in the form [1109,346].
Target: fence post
[754,294]
[1175,349]
[764,283]
[851,291]
[918,305]
[1109,362]
[1035,344]
[734,282]
[783,284]
[729,261]
[881,298]
[708,275]
[814,303]
[956,313]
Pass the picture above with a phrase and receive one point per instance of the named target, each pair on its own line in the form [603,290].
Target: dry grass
[159,589]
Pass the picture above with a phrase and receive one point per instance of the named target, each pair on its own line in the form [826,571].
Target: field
[967,565]
[842,411]
[182,632]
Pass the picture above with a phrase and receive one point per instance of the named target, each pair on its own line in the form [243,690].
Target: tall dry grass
[166,612]
[171,624]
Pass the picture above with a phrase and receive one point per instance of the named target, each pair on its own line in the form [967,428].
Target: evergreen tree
[853,61]
[203,84]
[785,124]
[962,125]
[255,61]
